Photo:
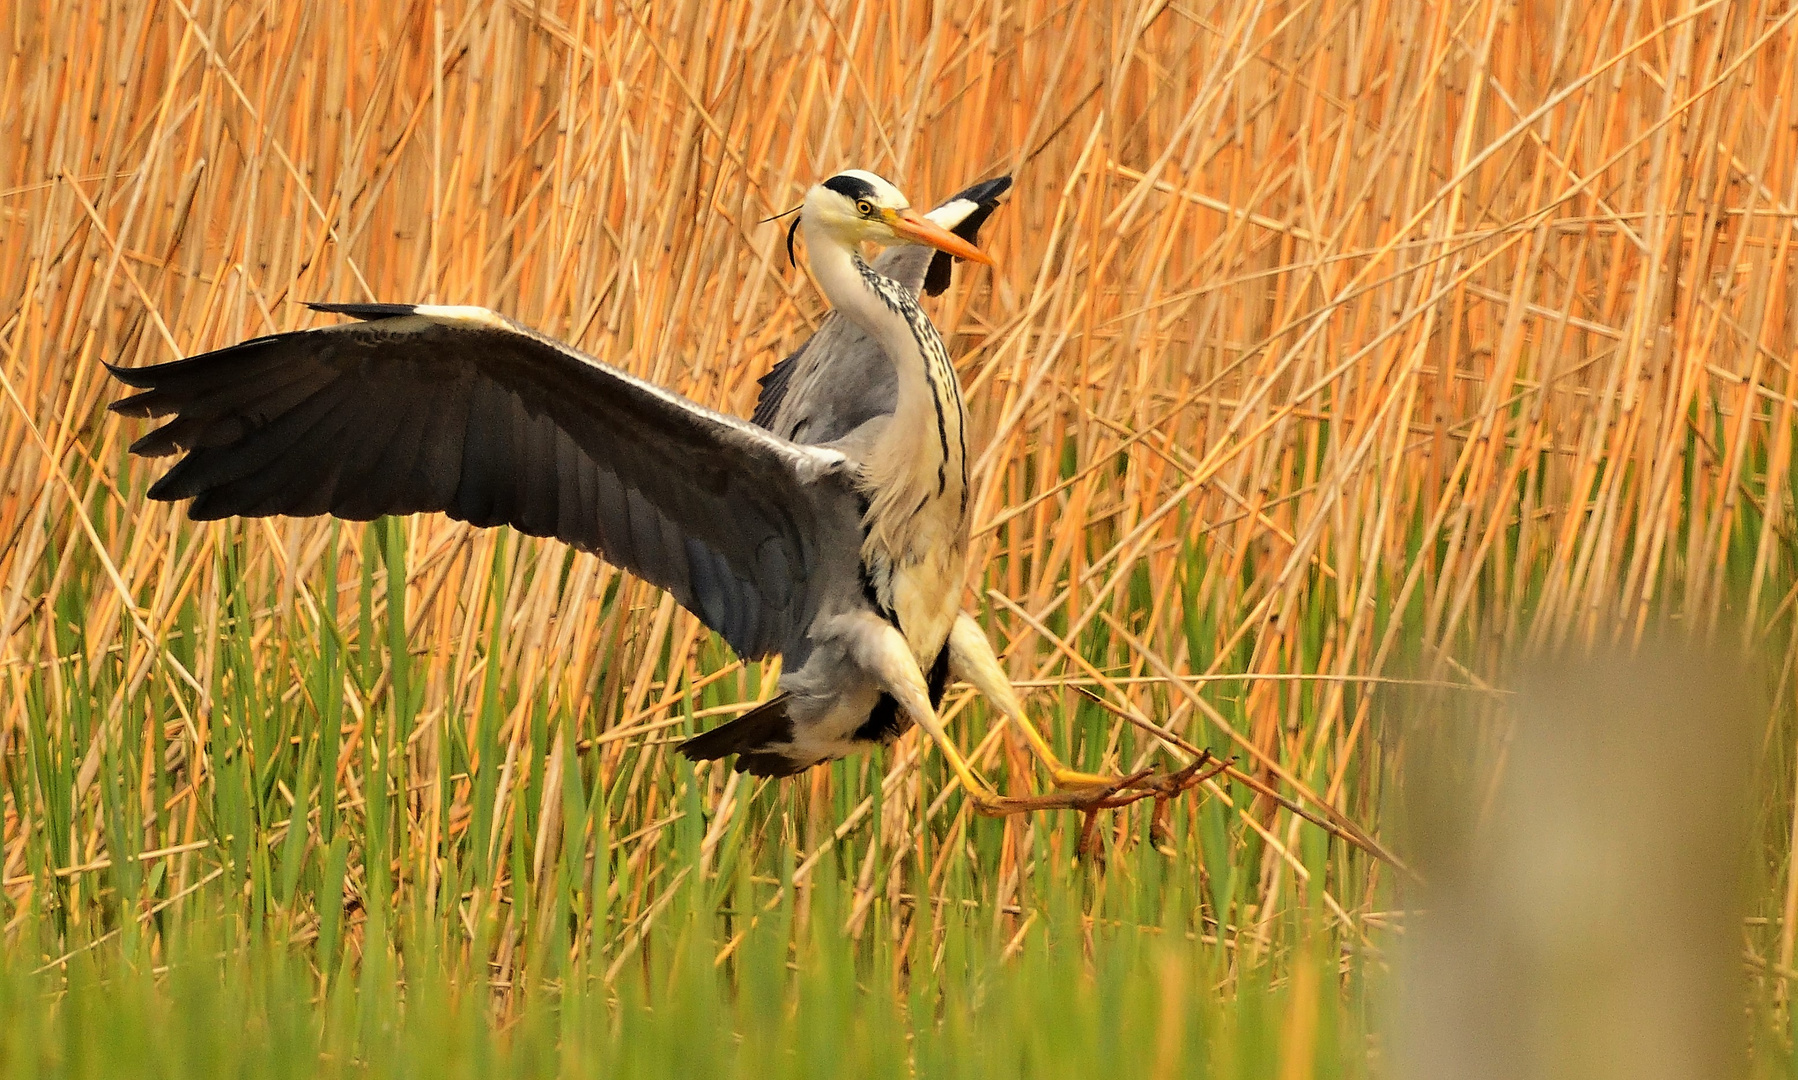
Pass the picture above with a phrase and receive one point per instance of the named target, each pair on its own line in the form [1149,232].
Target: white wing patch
[953,212]
[464,315]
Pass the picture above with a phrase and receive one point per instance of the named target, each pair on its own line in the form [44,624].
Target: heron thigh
[884,722]
[972,661]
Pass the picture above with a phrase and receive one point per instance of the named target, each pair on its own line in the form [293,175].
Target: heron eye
[864,208]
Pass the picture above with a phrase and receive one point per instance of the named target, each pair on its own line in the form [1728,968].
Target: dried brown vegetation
[1329,343]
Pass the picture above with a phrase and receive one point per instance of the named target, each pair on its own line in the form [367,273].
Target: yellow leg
[972,661]
[883,652]
[913,699]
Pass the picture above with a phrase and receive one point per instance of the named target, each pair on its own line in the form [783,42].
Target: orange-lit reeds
[1341,340]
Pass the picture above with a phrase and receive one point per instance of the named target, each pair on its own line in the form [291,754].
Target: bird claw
[1075,780]
[1108,794]
[1162,787]
[1083,798]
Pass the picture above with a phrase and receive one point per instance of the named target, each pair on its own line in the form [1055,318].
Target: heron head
[855,205]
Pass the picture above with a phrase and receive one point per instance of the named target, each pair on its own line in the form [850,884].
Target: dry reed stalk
[1328,338]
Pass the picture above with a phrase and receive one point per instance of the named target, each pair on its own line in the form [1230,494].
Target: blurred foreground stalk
[1582,917]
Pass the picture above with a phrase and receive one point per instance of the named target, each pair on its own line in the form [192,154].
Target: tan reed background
[1341,340]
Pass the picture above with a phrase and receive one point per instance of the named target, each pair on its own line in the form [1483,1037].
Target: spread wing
[840,379]
[461,411]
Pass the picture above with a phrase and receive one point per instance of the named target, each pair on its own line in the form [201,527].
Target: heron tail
[759,738]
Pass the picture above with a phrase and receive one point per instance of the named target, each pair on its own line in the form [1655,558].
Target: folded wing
[460,411]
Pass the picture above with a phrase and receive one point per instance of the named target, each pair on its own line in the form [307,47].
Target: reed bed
[1336,353]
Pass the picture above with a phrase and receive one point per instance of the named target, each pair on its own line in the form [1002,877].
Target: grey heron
[841,382]
[847,559]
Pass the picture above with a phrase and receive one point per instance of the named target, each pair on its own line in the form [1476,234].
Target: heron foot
[1113,792]
[1075,780]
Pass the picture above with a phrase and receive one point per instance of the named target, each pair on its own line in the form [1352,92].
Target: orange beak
[910,225]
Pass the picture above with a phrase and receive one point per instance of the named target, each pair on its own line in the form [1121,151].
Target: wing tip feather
[364,312]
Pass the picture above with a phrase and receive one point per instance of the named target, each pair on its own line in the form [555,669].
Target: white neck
[919,461]
[834,265]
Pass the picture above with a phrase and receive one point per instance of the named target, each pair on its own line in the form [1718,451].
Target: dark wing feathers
[840,379]
[774,388]
[962,214]
[365,312]
[980,201]
[456,410]
[755,737]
